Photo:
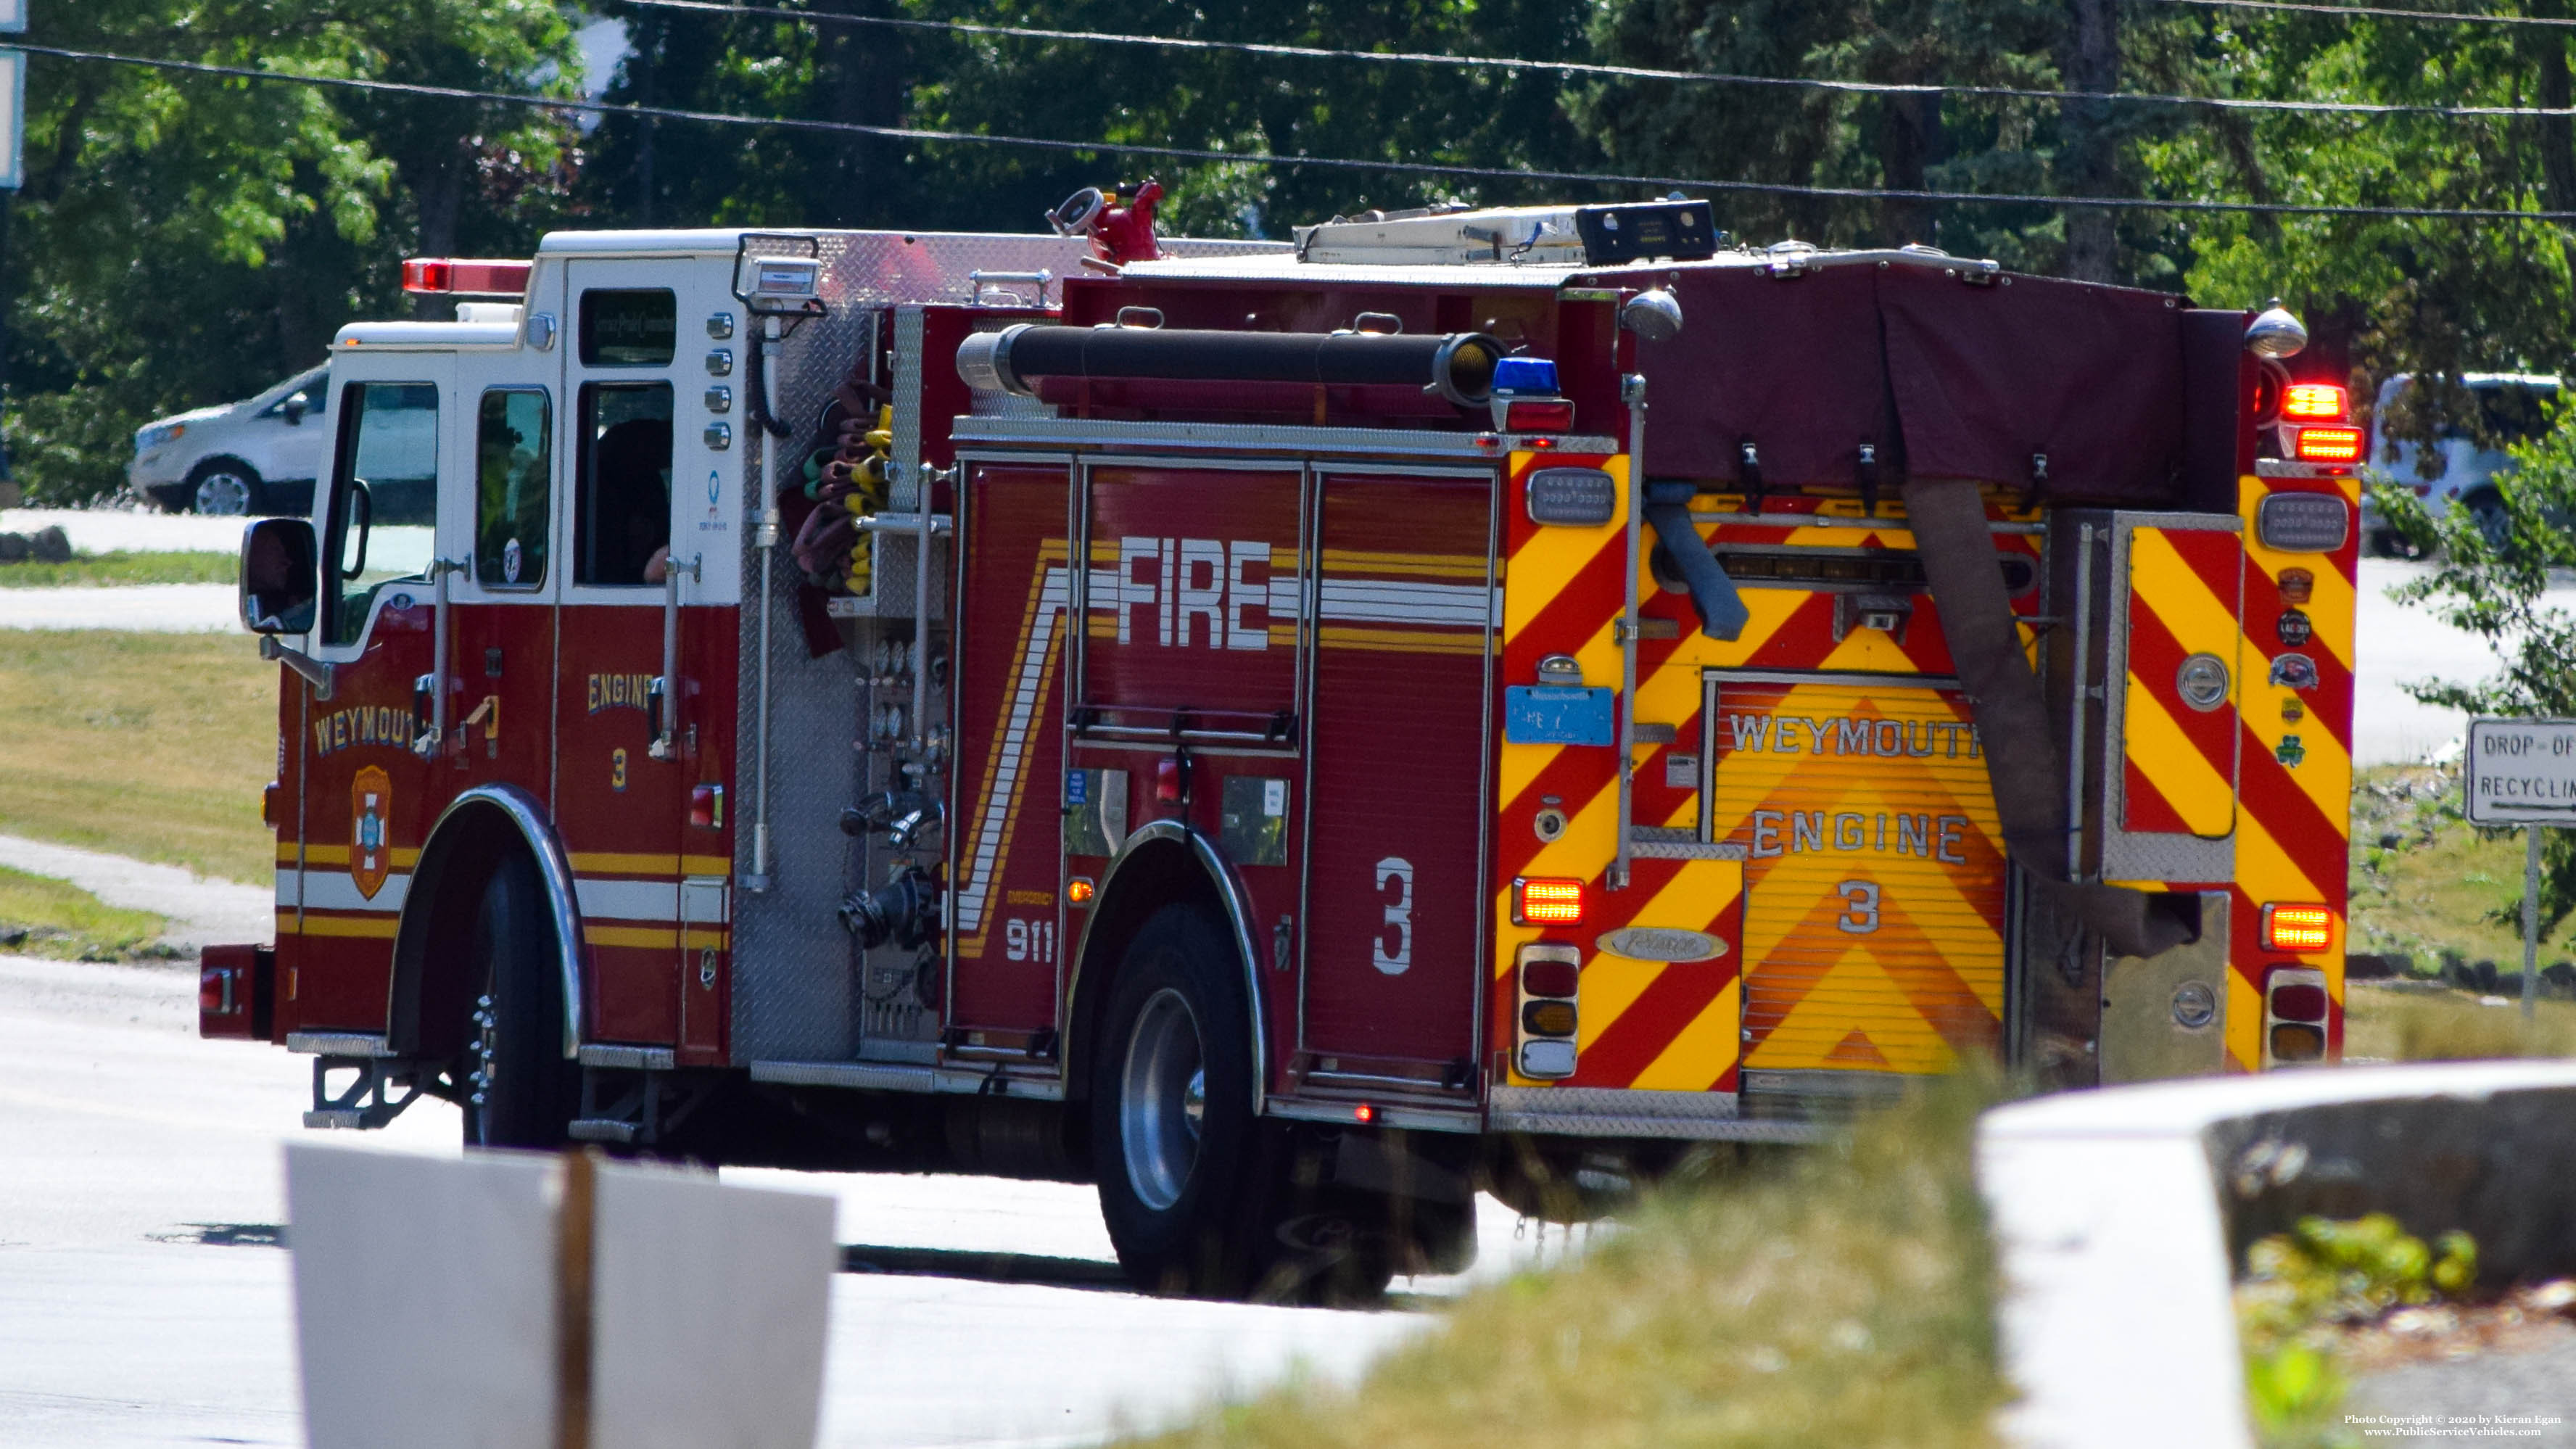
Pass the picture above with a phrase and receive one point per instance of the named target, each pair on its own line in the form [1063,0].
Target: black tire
[2495,525]
[225,488]
[2389,543]
[1441,1238]
[520,1091]
[1175,1147]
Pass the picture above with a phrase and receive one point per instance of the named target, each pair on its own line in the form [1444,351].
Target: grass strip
[2420,1022]
[148,745]
[40,916]
[2425,881]
[1835,1297]
[105,570]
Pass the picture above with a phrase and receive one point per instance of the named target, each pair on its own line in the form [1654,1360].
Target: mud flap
[2023,762]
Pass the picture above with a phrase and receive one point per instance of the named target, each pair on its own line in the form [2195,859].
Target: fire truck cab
[1294,735]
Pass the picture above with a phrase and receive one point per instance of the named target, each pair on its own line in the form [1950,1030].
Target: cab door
[653,496]
[366,800]
[497,517]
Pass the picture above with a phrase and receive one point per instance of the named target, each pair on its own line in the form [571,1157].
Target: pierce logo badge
[1662,943]
[371,794]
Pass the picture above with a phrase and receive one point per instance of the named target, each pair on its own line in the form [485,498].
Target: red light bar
[2321,400]
[452,277]
[2330,445]
[1547,902]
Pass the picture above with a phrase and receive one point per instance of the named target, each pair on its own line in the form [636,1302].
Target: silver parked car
[255,456]
[2512,407]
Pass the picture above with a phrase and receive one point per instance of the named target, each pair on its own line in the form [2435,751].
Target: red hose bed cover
[1957,379]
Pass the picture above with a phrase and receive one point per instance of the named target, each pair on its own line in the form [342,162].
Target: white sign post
[2523,772]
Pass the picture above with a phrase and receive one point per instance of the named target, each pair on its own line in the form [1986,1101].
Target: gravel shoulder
[201,912]
[2494,1398]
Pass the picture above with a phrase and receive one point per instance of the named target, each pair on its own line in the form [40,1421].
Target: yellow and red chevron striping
[2155,660]
[2295,784]
[2179,754]
[1653,1024]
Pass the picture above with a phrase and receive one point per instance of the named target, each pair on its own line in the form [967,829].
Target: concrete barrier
[2119,1216]
[521,1301]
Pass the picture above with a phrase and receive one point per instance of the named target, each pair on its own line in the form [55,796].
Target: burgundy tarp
[1956,380]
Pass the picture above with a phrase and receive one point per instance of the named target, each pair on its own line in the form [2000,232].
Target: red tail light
[2330,445]
[1544,415]
[215,991]
[2322,401]
[1544,1031]
[2299,1001]
[2295,1006]
[706,806]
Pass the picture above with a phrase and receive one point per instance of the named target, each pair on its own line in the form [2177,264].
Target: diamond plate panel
[794,987]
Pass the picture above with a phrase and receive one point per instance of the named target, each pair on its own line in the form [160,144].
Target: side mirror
[281,576]
[295,410]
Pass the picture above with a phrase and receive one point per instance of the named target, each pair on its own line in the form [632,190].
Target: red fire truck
[1478,698]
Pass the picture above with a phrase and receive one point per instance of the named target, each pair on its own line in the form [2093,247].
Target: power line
[2371,12]
[1629,72]
[1188,153]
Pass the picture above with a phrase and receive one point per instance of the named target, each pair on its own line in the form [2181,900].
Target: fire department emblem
[371,796]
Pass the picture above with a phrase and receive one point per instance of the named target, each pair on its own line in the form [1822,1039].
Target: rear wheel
[223,488]
[1174,1142]
[520,1091]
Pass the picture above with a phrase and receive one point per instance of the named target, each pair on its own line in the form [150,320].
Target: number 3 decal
[1399,917]
[1860,906]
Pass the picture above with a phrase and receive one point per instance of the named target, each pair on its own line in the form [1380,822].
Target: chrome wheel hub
[225,495]
[1162,1100]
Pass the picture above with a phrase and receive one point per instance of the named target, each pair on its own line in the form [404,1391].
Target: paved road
[144,1299]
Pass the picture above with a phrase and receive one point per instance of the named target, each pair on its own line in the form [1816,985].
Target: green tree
[1902,142]
[182,239]
[669,173]
[2433,297]
[2495,588]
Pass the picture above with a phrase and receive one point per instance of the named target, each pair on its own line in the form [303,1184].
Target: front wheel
[224,490]
[520,1090]
[1173,1136]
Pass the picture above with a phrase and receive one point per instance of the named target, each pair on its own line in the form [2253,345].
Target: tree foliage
[187,239]
[2495,588]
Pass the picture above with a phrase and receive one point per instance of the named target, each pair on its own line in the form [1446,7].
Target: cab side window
[638,328]
[622,500]
[384,475]
[513,487]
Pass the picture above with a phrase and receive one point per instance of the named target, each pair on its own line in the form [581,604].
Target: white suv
[2513,407]
[258,456]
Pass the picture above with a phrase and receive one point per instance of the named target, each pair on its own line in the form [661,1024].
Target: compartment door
[1407,614]
[1874,877]
[1015,597]
[2171,775]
